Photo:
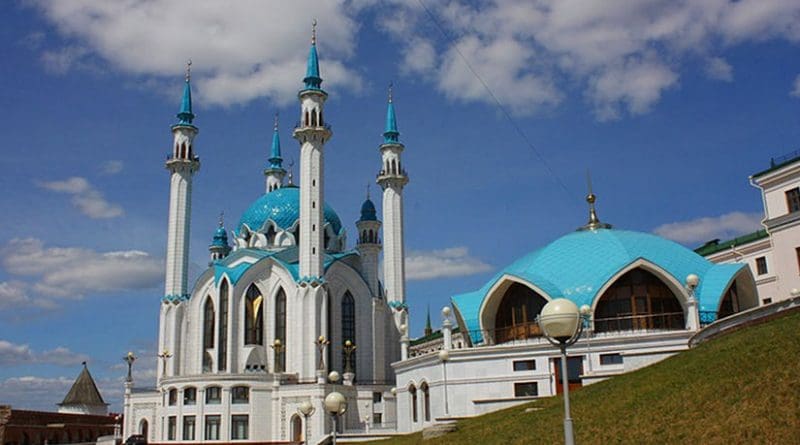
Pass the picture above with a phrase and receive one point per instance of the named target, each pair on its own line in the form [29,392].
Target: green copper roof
[715,246]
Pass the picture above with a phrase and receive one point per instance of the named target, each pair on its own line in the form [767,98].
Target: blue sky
[502,106]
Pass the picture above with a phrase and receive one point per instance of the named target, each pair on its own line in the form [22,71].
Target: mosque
[287,303]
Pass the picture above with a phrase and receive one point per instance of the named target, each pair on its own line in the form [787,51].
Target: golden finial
[188,70]
[594,222]
[275,126]
[390,91]
[314,32]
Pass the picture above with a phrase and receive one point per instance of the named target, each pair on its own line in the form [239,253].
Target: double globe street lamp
[560,321]
[335,405]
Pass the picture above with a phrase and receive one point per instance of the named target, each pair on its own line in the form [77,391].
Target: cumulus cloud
[623,54]
[240,51]
[85,197]
[707,228]
[16,354]
[73,272]
[43,393]
[445,263]
[718,68]
[796,87]
[111,167]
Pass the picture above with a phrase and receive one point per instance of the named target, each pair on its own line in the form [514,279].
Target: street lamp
[278,347]
[560,322]
[306,409]
[129,359]
[335,405]
[444,356]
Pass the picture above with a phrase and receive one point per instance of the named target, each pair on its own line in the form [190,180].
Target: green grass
[743,388]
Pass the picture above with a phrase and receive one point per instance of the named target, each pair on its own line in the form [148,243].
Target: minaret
[369,243]
[312,134]
[219,247]
[182,165]
[392,178]
[275,172]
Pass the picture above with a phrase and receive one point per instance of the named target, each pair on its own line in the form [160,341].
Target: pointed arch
[222,347]
[208,333]
[349,326]
[490,306]
[280,328]
[253,316]
[412,391]
[426,401]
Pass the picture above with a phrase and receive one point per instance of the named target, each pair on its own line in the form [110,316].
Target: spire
[312,80]
[185,114]
[390,135]
[84,391]
[428,327]
[594,222]
[291,173]
[275,159]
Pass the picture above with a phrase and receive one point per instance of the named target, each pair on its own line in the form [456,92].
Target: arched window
[730,302]
[297,428]
[208,333]
[253,317]
[280,329]
[222,348]
[516,316]
[307,120]
[412,391]
[638,300]
[314,119]
[320,119]
[271,233]
[349,327]
[143,428]
[426,401]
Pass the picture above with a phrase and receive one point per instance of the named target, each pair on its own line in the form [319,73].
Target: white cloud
[718,68]
[623,54]
[85,197]
[15,354]
[240,50]
[707,228]
[73,272]
[112,167]
[13,294]
[796,87]
[445,263]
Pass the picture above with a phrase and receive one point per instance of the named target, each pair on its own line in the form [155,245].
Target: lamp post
[444,356]
[693,312]
[321,343]
[164,356]
[278,347]
[560,322]
[349,348]
[335,405]
[129,359]
[586,320]
[306,409]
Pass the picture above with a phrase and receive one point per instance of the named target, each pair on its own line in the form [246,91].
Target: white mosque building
[262,327]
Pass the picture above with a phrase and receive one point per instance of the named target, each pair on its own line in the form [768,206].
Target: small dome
[282,206]
[368,212]
[220,237]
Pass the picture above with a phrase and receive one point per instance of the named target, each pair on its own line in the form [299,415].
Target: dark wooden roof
[84,391]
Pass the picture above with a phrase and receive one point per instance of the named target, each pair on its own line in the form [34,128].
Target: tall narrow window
[188,427]
[793,200]
[222,349]
[413,392]
[172,423]
[212,427]
[349,327]
[208,333]
[280,329]
[761,265]
[253,317]
[426,401]
[239,427]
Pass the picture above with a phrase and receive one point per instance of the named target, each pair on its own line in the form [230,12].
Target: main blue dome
[282,206]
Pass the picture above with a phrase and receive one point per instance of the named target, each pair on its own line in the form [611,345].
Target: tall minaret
[392,178]
[275,172]
[369,243]
[312,135]
[182,165]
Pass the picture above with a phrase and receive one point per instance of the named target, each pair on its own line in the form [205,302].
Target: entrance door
[574,372]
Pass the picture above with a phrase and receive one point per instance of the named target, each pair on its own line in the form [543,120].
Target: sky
[503,107]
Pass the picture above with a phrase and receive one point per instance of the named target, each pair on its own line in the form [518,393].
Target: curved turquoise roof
[576,266]
[282,206]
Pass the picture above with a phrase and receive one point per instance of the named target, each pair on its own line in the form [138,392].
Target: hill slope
[743,388]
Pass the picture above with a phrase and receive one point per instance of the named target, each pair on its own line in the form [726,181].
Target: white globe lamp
[559,319]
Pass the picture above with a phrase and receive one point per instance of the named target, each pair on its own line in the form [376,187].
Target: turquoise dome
[220,237]
[368,212]
[578,265]
[282,206]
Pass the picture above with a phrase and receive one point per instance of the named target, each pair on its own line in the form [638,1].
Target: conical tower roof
[84,391]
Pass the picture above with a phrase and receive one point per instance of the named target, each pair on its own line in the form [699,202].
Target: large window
[239,427]
[212,427]
[213,395]
[349,328]
[189,396]
[208,333]
[793,200]
[172,425]
[188,427]
[222,349]
[240,394]
[638,300]
[516,316]
[761,265]
[253,317]
[280,330]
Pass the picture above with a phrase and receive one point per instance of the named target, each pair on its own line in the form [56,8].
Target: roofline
[795,156]
[710,249]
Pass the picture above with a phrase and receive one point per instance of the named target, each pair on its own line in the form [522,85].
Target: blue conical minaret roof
[275,159]
[220,236]
[185,115]
[313,80]
[390,134]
